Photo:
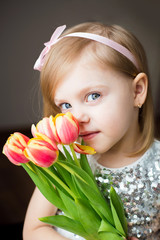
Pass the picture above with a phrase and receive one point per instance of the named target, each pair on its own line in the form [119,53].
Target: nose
[81,116]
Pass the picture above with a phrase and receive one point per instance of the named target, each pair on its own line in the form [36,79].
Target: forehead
[86,74]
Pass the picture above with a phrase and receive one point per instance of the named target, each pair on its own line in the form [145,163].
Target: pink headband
[108,42]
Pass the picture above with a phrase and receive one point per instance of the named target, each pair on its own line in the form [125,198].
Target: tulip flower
[41,150]
[82,149]
[46,127]
[14,148]
[66,128]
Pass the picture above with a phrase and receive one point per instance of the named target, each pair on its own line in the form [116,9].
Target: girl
[100,74]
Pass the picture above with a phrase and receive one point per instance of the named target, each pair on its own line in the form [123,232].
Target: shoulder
[154,151]
[156,146]
[151,158]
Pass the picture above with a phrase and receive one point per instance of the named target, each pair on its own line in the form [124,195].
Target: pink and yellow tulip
[14,148]
[46,127]
[82,149]
[66,128]
[41,150]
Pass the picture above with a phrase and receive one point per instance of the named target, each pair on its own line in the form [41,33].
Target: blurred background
[24,27]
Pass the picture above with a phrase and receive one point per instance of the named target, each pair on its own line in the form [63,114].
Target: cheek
[112,124]
[106,119]
[116,118]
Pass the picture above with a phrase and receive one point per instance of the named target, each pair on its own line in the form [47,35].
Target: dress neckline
[94,159]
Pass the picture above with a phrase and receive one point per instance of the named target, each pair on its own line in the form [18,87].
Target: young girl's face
[102,100]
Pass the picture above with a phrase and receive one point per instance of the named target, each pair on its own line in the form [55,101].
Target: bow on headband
[108,42]
[54,38]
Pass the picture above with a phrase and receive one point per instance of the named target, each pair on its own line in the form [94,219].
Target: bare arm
[34,229]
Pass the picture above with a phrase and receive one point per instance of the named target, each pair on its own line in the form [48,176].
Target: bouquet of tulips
[66,180]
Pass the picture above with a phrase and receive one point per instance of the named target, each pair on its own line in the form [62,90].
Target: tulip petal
[42,156]
[41,126]
[47,128]
[52,143]
[14,148]
[72,119]
[18,139]
[15,155]
[67,129]
[69,116]
[22,138]
[33,130]
[41,150]
[83,149]
[53,129]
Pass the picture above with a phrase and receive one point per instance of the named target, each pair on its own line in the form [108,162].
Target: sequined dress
[138,185]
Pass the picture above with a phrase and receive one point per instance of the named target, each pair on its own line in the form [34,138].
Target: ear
[140,86]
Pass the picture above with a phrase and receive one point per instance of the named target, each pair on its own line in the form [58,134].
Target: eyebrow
[92,88]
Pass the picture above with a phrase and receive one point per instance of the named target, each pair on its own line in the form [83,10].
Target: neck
[121,154]
[116,160]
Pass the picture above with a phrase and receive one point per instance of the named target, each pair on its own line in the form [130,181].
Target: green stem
[74,156]
[28,164]
[60,182]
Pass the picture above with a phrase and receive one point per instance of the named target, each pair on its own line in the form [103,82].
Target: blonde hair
[63,54]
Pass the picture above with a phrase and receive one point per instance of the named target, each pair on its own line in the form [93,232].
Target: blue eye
[65,106]
[93,96]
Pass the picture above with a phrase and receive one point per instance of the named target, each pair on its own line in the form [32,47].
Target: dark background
[24,27]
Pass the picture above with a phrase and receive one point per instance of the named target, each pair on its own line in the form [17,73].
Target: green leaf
[66,223]
[65,176]
[88,217]
[44,185]
[107,227]
[69,180]
[53,170]
[80,194]
[97,201]
[117,205]
[71,209]
[51,176]
[85,166]
[61,156]
[68,155]
[109,236]
[117,222]
[80,173]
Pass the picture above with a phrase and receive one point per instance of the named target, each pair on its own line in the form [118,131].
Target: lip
[88,135]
